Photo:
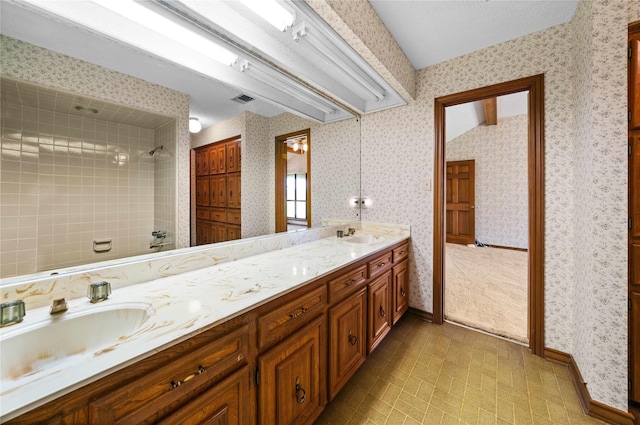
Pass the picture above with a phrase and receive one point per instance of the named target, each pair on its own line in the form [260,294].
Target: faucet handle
[12,312]
[100,291]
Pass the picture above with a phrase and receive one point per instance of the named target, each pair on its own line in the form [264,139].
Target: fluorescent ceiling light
[158,23]
[271,11]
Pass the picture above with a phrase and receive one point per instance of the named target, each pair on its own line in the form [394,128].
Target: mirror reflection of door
[486,221]
[293,181]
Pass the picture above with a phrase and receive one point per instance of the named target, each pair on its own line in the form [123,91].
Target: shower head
[156,149]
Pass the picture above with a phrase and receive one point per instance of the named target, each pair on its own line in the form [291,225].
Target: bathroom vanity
[272,349]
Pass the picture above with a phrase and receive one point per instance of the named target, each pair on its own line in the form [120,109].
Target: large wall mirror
[96,153]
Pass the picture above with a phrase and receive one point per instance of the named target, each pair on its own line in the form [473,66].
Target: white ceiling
[434,31]
[427,31]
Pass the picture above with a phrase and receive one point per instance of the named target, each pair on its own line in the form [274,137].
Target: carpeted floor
[486,288]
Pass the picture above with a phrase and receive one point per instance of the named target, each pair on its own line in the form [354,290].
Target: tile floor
[429,374]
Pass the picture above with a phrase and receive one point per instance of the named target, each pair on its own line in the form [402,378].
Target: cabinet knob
[353,340]
[402,291]
[382,312]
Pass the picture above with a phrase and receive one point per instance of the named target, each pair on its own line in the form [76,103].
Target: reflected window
[297,196]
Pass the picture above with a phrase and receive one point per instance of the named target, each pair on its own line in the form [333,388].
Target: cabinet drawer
[287,318]
[152,396]
[380,264]
[400,253]
[234,217]
[347,283]
[218,214]
[202,213]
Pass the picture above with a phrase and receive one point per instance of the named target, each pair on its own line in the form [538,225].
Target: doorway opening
[487,216]
[535,172]
[293,181]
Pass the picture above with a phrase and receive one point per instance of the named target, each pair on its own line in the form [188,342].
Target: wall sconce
[363,203]
[194,125]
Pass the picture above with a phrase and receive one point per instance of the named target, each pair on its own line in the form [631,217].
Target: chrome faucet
[12,312]
[100,291]
[58,306]
[350,232]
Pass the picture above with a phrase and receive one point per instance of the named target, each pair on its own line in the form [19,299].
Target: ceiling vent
[242,98]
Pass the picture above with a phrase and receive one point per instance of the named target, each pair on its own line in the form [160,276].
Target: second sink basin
[364,239]
[28,348]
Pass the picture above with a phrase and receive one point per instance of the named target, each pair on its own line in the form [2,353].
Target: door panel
[460,197]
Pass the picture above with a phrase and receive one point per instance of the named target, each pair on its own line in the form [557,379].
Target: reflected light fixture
[194,125]
[271,11]
[162,25]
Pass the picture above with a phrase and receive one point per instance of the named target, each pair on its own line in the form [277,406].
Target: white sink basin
[371,239]
[30,347]
[364,239]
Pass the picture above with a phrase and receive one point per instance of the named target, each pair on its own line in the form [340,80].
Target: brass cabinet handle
[349,282]
[176,384]
[294,315]
[301,394]
[381,264]
[353,340]
[402,291]
[382,312]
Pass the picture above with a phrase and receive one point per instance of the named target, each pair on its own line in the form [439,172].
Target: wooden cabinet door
[400,290]
[379,317]
[347,340]
[202,162]
[213,159]
[202,191]
[233,232]
[292,380]
[232,157]
[218,232]
[202,232]
[221,189]
[634,216]
[239,155]
[233,190]
[222,158]
[224,404]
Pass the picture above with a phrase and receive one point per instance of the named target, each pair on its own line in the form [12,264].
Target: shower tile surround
[204,286]
[68,179]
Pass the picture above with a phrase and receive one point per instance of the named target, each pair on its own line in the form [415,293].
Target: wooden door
[347,340]
[400,290]
[223,404]
[634,215]
[290,384]
[460,218]
[379,314]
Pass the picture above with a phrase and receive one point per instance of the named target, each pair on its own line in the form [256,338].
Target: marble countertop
[181,306]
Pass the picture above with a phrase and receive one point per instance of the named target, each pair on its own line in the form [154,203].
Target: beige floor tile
[465,378]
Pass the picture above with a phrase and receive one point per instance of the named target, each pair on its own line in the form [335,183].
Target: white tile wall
[68,180]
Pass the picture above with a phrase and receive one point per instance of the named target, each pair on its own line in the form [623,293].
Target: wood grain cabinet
[218,185]
[347,340]
[379,309]
[292,384]
[400,290]
[276,364]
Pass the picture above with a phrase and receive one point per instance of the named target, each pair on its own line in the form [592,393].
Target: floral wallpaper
[501,189]
[397,172]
